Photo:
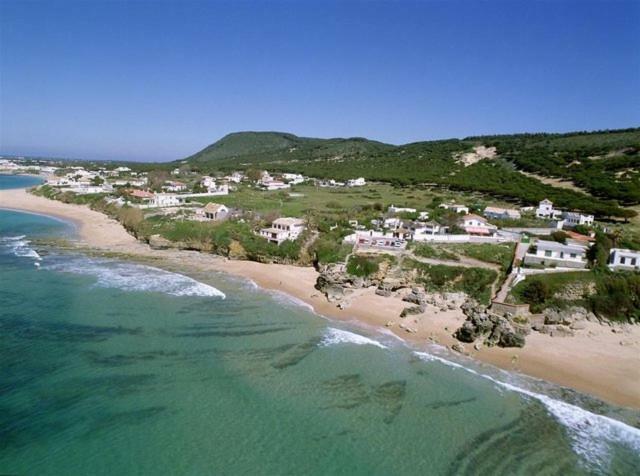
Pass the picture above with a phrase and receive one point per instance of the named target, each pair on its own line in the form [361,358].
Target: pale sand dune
[593,362]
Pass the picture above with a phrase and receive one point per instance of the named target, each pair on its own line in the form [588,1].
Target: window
[623,260]
[573,255]
[633,261]
[547,253]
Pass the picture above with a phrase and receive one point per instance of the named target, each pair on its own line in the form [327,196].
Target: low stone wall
[546,261]
[503,308]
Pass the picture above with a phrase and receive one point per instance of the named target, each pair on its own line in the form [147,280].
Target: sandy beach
[599,360]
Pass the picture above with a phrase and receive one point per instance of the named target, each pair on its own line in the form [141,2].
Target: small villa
[572,219]
[622,259]
[215,211]
[166,200]
[359,182]
[455,207]
[501,213]
[477,225]
[551,253]
[545,210]
[283,229]
[274,185]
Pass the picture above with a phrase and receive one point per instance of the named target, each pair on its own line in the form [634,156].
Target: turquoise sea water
[18,181]
[109,367]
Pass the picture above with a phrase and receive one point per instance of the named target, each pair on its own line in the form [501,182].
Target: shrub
[362,266]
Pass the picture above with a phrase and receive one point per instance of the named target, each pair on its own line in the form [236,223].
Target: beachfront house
[283,229]
[501,213]
[476,225]
[551,253]
[426,231]
[622,259]
[572,219]
[376,240]
[215,211]
[456,207]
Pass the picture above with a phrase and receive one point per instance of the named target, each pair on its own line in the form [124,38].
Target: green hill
[604,163]
[258,147]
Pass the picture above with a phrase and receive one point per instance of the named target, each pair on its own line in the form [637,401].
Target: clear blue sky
[150,80]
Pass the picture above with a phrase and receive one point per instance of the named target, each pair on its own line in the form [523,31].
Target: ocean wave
[19,247]
[591,434]
[334,336]
[135,277]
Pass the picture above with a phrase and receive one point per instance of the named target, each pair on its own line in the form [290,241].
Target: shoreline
[596,361]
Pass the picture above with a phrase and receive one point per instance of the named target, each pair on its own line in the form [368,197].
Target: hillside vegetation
[606,164]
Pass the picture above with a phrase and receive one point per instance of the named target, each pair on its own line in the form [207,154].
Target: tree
[254,175]
[157,178]
[97,181]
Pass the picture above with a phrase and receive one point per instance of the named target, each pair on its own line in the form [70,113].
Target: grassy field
[336,200]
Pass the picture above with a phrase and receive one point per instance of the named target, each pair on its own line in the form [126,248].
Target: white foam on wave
[287,299]
[19,247]
[136,277]
[334,336]
[591,434]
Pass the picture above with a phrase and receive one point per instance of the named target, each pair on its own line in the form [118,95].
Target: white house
[172,186]
[476,225]
[283,229]
[456,207]
[220,189]
[166,200]
[545,210]
[621,259]
[122,169]
[394,209]
[235,177]
[376,239]
[293,179]
[501,213]
[393,223]
[215,211]
[571,255]
[575,218]
[359,182]
[208,182]
[423,216]
[422,231]
[274,185]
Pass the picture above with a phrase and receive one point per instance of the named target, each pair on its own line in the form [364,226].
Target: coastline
[595,361]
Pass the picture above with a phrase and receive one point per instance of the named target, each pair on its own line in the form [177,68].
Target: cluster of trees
[604,163]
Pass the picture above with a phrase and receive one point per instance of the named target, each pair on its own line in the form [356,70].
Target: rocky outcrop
[567,316]
[494,329]
[411,310]
[337,284]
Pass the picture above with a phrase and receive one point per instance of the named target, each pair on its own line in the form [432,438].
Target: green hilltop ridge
[257,147]
[604,164]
